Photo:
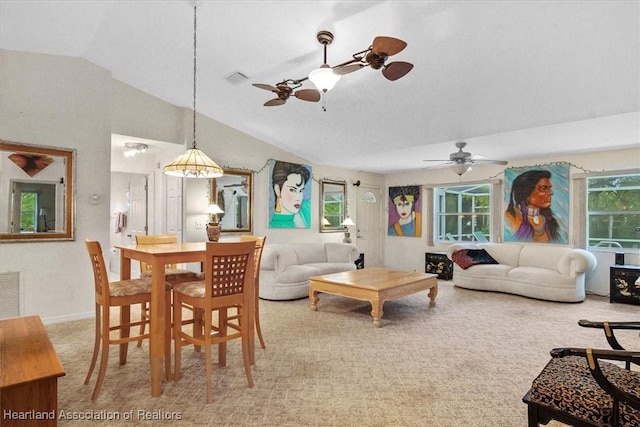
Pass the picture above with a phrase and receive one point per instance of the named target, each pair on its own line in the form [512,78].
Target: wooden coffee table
[375,285]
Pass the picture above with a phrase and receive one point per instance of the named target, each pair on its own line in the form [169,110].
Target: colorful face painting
[405,211]
[289,195]
[537,201]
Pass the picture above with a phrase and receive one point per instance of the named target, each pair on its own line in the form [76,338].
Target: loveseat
[543,271]
[285,269]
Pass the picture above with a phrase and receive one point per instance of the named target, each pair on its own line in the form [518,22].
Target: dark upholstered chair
[580,387]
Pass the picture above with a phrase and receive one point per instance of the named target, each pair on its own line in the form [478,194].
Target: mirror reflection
[234,194]
[332,206]
[36,187]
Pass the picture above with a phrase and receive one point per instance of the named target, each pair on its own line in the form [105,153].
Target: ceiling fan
[325,77]
[463,160]
[285,89]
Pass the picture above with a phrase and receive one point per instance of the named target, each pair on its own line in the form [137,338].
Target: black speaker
[619,259]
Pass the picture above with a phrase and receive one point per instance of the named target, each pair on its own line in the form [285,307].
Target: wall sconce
[134,148]
[347,235]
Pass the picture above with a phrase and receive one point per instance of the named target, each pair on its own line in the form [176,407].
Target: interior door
[368,225]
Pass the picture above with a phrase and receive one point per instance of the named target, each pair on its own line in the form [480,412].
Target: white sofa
[543,271]
[285,269]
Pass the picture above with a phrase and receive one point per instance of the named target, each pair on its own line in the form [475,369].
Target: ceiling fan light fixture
[461,168]
[324,78]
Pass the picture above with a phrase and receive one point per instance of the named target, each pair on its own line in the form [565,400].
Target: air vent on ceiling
[236,78]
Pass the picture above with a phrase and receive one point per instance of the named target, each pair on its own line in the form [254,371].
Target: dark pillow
[465,258]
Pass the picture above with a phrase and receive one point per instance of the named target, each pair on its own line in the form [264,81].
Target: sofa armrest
[341,252]
[277,257]
[576,261]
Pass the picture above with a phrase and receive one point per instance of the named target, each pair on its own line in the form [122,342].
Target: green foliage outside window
[28,208]
[613,211]
[462,211]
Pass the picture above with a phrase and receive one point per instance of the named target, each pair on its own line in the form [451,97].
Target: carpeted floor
[465,362]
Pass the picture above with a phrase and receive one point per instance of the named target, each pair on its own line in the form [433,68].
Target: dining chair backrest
[100,275]
[155,239]
[229,272]
[260,241]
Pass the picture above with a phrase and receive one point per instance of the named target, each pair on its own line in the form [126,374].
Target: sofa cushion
[332,267]
[488,271]
[542,276]
[465,258]
[310,253]
[504,253]
[541,255]
[339,252]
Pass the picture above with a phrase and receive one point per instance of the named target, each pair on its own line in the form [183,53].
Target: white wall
[60,102]
[407,253]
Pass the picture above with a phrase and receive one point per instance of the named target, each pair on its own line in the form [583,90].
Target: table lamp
[213,227]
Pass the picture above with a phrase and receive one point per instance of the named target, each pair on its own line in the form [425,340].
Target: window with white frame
[613,211]
[463,213]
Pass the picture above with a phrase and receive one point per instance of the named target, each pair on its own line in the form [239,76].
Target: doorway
[368,225]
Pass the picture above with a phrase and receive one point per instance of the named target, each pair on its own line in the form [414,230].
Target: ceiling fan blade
[274,102]
[489,162]
[311,95]
[387,46]
[397,69]
[439,165]
[346,69]
[436,160]
[266,87]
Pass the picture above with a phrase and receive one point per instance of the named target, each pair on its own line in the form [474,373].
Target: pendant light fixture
[194,163]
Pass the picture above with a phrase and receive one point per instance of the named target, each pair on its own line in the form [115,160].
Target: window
[28,209]
[463,212]
[613,211]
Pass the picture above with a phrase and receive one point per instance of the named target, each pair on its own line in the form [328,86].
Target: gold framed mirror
[233,193]
[37,193]
[332,206]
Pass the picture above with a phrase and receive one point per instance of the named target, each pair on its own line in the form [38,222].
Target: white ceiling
[514,79]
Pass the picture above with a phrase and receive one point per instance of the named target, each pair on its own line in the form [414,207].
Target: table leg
[432,295]
[157,327]
[313,298]
[125,316]
[376,311]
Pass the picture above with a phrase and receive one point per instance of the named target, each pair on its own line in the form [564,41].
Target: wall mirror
[37,194]
[332,206]
[233,193]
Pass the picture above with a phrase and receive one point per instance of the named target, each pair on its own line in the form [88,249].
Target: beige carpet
[465,362]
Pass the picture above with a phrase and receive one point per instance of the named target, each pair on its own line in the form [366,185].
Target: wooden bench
[29,371]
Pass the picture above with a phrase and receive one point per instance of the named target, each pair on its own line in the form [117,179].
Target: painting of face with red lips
[405,211]
[290,197]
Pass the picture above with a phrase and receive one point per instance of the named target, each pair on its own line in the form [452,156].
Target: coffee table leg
[313,297]
[376,311]
[432,295]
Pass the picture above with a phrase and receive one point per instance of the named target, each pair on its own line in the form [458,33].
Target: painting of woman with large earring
[537,204]
[290,198]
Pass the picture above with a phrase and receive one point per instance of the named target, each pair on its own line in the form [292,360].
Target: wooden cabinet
[438,263]
[624,284]
[29,371]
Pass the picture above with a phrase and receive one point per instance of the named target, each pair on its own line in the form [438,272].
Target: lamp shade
[347,222]
[213,209]
[193,164]
[325,221]
[324,78]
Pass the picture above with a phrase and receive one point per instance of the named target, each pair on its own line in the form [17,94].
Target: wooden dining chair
[228,285]
[122,294]
[260,241]
[173,274]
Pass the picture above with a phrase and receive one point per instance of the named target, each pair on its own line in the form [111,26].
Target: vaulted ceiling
[515,79]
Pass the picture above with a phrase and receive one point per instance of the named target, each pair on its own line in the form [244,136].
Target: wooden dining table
[158,256]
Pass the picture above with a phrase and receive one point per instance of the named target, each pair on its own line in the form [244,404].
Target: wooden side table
[29,374]
[438,263]
[624,284]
